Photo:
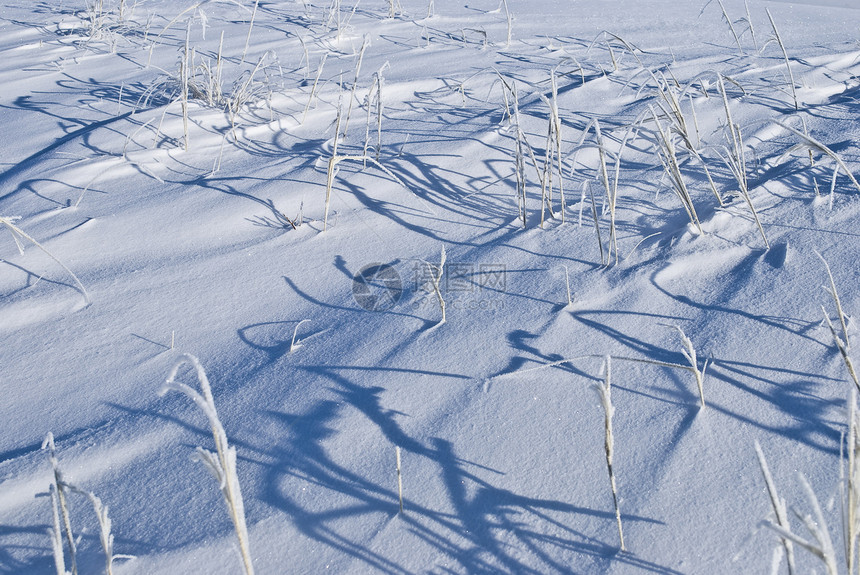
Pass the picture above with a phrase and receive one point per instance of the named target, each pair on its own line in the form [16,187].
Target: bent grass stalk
[835,295]
[817,527]
[222,463]
[811,143]
[105,535]
[296,344]
[9,223]
[690,354]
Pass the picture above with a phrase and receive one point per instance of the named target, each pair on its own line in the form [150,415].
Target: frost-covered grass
[189,170]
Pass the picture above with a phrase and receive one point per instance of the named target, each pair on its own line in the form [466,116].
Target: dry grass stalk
[812,144]
[436,274]
[850,485]
[250,28]
[735,160]
[778,39]
[843,344]
[335,159]
[59,487]
[221,463]
[56,535]
[552,157]
[314,86]
[399,479]
[731,26]
[364,46]
[605,393]
[690,354]
[9,222]
[779,508]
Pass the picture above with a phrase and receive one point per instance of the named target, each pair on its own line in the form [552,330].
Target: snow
[219,251]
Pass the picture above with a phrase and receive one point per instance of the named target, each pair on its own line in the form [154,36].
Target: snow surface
[503,462]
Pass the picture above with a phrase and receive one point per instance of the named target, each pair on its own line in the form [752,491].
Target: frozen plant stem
[690,354]
[735,159]
[778,39]
[604,391]
[59,488]
[250,28]
[813,144]
[105,535]
[596,225]
[55,533]
[332,169]
[509,21]
[750,24]
[9,223]
[842,343]
[731,26]
[567,285]
[611,191]
[364,46]
[399,479]
[436,273]
[779,508]
[835,295]
[222,463]
[850,485]
[186,61]
[295,344]
[666,151]
[379,81]
[553,154]
[314,87]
